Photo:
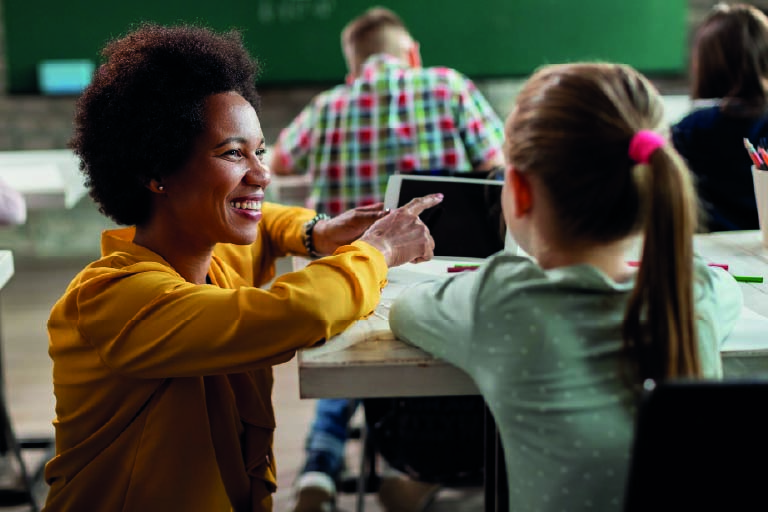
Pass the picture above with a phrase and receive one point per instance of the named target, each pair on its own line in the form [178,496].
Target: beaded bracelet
[309,227]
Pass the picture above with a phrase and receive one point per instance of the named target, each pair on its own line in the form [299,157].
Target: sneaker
[315,492]
[403,494]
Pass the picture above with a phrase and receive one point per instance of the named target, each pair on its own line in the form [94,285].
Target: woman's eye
[232,153]
[260,153]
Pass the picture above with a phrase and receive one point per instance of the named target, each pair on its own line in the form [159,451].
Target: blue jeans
[328,435]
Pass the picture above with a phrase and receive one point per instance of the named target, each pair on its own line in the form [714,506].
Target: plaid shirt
[392,118]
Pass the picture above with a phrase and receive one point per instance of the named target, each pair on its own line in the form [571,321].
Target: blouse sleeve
[145,321]
[280,234]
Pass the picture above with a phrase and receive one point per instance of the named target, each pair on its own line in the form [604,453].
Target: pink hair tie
[643,144]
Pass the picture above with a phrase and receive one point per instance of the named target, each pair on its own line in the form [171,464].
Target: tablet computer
[468,222]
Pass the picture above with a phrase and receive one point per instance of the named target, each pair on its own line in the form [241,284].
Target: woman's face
[217,195]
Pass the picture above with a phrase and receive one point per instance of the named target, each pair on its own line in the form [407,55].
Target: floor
[25,305]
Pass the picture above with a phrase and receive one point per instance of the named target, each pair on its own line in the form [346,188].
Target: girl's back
[546,351]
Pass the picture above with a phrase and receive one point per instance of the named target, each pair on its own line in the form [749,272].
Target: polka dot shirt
[544,347]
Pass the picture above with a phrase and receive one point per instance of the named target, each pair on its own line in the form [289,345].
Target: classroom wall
[37,122]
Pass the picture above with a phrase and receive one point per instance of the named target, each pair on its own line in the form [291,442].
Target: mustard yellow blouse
[163,387]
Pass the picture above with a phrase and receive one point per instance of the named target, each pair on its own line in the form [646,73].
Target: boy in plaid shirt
[391,116]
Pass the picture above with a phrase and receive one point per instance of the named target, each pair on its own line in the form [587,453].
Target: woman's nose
[259,173]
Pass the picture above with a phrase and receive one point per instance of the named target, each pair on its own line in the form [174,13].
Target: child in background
[729,69]
[560,344]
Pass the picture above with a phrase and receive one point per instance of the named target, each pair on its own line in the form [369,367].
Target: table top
[46,178]
[367,360]
[745,255]
[6,267]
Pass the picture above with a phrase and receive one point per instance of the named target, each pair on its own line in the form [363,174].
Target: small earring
[161,188]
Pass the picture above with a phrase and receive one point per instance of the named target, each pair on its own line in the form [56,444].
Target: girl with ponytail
[560,342]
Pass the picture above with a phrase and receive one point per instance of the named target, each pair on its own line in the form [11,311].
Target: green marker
[749,279]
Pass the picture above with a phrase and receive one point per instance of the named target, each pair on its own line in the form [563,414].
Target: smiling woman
[217,194]
[162,349]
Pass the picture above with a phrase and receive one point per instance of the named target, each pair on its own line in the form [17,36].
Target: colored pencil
[753,154]
[453,270]
[749,279]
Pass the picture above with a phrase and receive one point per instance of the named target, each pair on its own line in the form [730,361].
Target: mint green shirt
[544,347]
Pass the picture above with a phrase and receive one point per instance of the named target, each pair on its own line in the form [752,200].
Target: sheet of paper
[749,334]
[409,274]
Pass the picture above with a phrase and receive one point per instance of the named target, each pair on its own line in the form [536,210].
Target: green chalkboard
[297,41]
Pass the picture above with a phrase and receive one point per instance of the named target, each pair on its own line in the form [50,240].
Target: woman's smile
[249,207]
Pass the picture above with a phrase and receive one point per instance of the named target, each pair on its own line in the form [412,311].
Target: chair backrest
[700,446]
[433,439]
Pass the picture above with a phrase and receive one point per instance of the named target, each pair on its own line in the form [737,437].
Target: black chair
[10,445]
[436,440]
[700,446]
[432,439]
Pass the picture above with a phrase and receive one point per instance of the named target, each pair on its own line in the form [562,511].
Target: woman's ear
[520,187]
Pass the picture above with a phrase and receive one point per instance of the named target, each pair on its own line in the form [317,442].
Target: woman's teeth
[246,205]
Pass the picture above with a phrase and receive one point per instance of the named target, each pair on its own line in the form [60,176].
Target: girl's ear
[520,186]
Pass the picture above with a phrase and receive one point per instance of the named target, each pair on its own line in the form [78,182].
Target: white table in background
[6,268]
[46,178]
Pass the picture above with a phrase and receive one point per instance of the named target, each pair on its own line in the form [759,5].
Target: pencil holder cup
[760,179]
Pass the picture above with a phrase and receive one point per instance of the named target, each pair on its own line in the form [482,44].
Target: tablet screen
[468,222]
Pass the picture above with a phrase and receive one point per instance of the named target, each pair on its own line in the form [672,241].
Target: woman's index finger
[419,204]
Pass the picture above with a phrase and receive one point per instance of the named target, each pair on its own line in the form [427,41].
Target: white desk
[367,360]
[676,106]
[6,268]
[46,178]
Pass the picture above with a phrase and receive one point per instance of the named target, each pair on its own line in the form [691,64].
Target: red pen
[763,155]
[453,270]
